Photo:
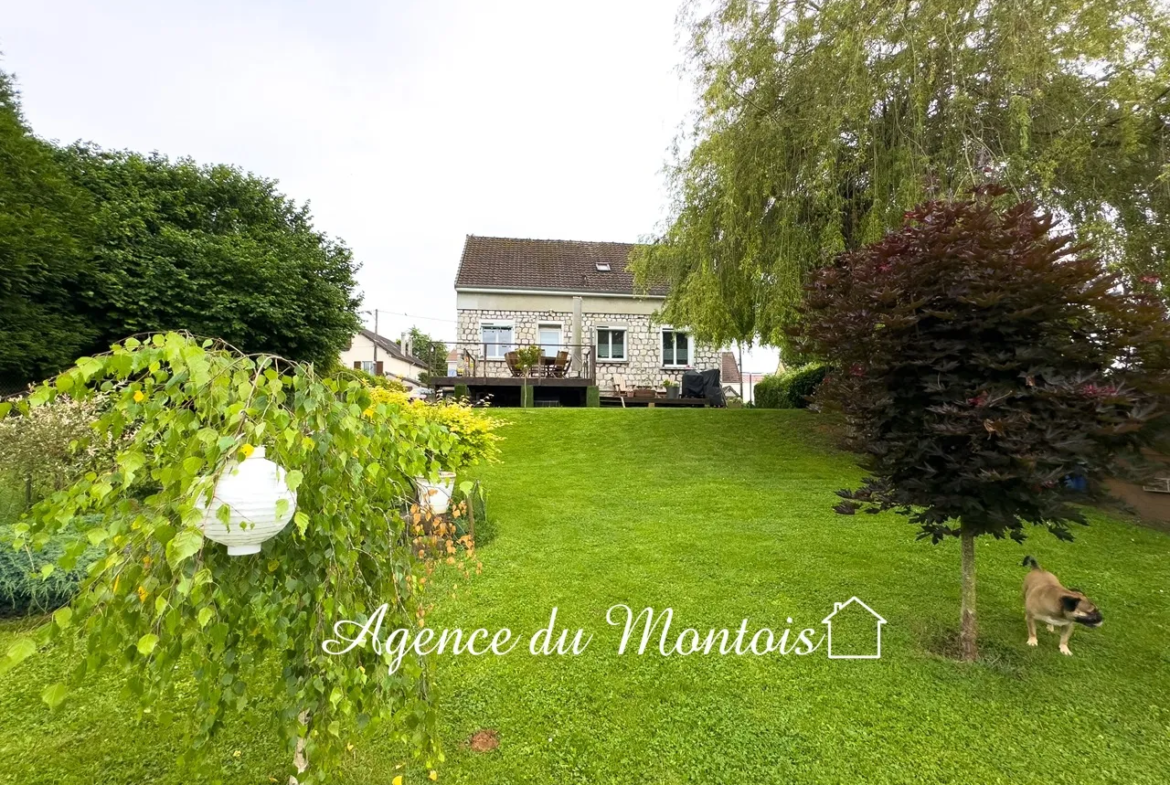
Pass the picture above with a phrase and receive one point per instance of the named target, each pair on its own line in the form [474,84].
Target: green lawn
[721,515]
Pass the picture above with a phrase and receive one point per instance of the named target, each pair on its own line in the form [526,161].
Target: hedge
[790,390]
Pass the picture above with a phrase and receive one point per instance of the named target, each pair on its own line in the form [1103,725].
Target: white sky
[407,125]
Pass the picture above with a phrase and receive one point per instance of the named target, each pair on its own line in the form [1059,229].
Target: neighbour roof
[557,265]
[729,368]
[392,348]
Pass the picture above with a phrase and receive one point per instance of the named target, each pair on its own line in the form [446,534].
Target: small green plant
[462,393]
[668,383]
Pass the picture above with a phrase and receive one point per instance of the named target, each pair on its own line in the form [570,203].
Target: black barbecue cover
[703,384]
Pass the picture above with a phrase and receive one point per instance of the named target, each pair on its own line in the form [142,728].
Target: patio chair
[561,365]
[513,360]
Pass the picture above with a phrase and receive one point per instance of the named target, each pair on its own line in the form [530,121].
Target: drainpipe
[577,334]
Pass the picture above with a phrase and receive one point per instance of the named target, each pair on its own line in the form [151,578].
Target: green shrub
[462,393]
[768,393]
[790,390]
[23,590]
[801,383]
[371,380]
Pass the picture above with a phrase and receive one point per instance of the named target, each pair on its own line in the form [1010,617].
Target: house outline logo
[828,622]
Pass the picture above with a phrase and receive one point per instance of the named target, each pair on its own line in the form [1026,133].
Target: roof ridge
[549,240]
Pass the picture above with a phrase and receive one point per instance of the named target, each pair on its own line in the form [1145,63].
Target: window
[369,366]
[497,339]
[602,267]
[550,339]
[676,348]
[611,343]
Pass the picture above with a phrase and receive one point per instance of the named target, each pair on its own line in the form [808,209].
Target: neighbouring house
[577,301]
[380,356]
[730,376]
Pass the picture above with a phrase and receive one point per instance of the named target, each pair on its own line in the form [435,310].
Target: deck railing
[486,360]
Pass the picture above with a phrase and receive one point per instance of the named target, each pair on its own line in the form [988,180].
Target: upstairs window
[497,340]
[611,343]
[676,348]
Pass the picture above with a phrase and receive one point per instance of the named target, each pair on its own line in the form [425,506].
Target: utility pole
[374,313]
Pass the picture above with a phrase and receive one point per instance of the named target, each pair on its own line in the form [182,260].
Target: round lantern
[435,497]
[250,490]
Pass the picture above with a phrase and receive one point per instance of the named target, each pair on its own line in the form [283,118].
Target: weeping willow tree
[820,123]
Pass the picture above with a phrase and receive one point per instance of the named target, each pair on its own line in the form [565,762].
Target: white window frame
[625,330]
[560,331]
[370,367]
[504,348]
[690,348]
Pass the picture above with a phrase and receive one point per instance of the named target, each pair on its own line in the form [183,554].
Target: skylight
[602,267]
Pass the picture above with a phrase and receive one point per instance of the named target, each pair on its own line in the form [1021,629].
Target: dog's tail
[1030,562]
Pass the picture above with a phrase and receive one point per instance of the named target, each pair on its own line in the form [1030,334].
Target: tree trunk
[300,760]
[968,629]
[742,400]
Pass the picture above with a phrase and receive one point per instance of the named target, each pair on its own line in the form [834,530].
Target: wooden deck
[449,382]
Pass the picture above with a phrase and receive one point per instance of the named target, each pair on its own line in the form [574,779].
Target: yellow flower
[142,594]
[397,780]
[246,450]
[349,748]
[434,775]
[236,754]
[138,396]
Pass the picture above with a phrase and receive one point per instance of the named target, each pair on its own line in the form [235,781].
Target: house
[859,631]
[729,375]
[381,356]
[573,299]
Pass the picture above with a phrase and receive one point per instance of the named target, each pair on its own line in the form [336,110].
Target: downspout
[577,355]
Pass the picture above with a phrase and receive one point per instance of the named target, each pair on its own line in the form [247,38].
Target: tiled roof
[729,368]
[557,265]
[392,348]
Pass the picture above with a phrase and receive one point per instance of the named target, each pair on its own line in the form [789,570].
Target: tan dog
[1045,599]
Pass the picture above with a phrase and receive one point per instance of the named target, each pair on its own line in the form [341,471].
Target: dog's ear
[1069,603]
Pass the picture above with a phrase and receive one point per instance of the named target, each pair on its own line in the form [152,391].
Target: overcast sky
[407,125]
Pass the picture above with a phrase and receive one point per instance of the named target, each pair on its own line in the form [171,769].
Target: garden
[591,513]
[225,559]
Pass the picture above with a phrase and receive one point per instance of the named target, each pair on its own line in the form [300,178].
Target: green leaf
[5,408]
[63,617]
[54,695]
[204,616]
[465,487]
[47,570]
[302,521]
[20,650]
[97,536]
[183,546]
[147,643]
[293,479]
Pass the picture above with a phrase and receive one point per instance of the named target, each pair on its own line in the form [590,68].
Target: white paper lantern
[436,496]
[250,490]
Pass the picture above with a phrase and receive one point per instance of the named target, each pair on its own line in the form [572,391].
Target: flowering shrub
[474,431]
[51,446]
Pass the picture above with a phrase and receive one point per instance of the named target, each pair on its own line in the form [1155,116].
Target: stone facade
[643,366]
